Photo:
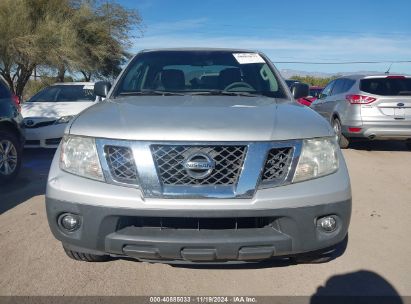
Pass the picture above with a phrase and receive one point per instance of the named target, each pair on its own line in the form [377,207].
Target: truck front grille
[170,159]
[40,124]
[204,170]
[121,163]
[277,164]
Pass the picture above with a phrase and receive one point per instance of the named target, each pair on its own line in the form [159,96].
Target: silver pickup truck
[199,155]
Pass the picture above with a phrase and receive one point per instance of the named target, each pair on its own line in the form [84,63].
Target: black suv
[11,135]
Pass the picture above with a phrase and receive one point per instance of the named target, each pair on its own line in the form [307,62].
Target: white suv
[370,107]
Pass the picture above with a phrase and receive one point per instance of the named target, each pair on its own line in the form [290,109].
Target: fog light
[70,222]
[327,223]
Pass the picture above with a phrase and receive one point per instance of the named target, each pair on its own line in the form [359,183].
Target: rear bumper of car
[44,137]
[390,130]
[115,231]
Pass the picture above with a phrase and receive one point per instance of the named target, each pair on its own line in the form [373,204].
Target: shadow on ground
[357,287]
[31,180]
[378,145]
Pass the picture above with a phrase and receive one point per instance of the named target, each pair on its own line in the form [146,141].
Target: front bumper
[104,208]
[292,231]
[44,137]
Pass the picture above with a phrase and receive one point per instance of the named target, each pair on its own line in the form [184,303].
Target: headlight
[79,156]
[64,119]
[318,158]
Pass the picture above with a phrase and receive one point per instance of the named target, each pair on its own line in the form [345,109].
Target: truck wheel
[85,257]
[341,139]
[10,156]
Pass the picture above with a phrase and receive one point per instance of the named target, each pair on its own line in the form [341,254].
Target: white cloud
[323,48]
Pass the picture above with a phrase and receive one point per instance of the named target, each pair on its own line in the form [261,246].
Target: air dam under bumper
[292,231]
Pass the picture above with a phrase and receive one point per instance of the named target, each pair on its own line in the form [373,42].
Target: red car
[313,95]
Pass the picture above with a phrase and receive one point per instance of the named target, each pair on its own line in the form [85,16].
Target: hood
[53,109]
[200,118]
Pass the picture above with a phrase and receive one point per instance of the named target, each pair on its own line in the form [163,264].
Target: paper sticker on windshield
[244,58]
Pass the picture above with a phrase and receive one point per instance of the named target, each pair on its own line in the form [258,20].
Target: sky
[320,31]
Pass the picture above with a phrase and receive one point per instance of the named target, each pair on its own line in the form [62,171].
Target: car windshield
[291,82]
[199,72]
[65,93]
[315,92]
[390,86]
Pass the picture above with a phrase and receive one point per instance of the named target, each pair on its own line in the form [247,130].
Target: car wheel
[408,143]
[85,257]
[10,156]
[341,139]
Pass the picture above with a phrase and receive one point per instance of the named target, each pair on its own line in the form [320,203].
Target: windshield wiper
[151,92]
[228,93]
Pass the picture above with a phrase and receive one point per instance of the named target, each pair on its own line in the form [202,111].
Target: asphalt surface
[377,259]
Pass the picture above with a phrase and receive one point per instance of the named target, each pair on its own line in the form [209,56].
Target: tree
[103,36]
[63,35]
[32,32]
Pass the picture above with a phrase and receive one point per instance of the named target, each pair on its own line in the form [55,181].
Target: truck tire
[10,160]
[85,257]
[342,140]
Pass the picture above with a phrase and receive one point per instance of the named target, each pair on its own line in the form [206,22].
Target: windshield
[387,86]
[191,72]
[65,93]
[315,92]
[291,82]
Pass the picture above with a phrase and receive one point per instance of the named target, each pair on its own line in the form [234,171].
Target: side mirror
[300,90]
[101,88]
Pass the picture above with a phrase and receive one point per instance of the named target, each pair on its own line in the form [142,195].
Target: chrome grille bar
[240,168]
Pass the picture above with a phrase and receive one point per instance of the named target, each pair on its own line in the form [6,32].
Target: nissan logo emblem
[199,165]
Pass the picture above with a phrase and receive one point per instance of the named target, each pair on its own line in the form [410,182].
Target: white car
[47,113]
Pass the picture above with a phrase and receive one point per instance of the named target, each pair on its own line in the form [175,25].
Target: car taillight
[16,100]
[360,99]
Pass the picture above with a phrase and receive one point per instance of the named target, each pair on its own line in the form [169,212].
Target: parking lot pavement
[376,260]
[31,180]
